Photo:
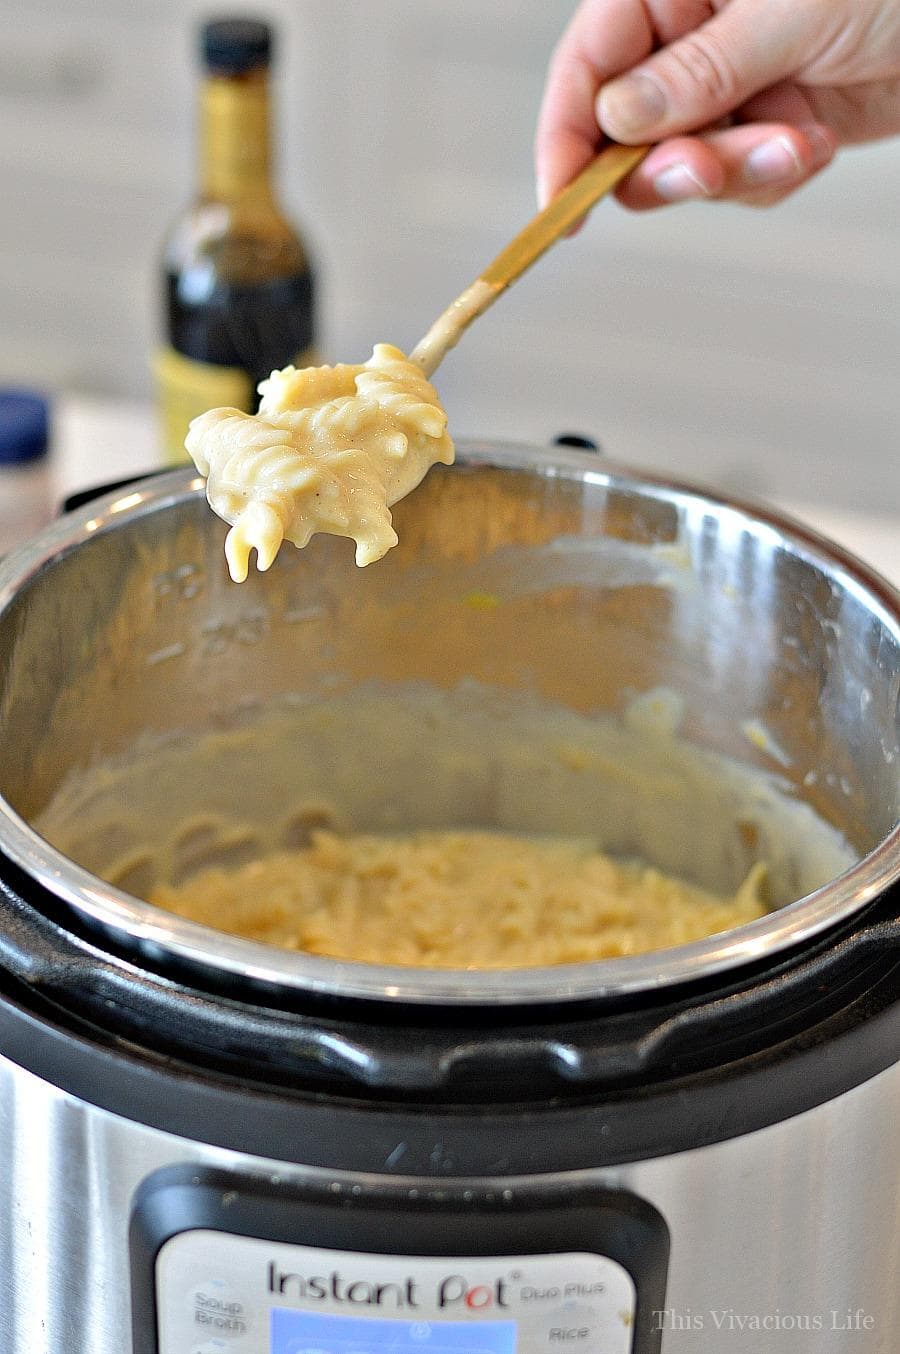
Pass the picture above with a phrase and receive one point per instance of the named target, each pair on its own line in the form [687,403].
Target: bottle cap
[24,426]
[236,46]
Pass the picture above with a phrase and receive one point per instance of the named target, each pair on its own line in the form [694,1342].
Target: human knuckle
[703,64]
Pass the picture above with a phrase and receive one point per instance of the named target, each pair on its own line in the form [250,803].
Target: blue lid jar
[24,427]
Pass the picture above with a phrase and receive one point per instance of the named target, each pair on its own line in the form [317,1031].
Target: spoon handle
[557,218]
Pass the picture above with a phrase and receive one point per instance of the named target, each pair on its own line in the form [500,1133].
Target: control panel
[262,1298]
[238,1267]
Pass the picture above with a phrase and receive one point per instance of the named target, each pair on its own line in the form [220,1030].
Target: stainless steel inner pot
[529,585]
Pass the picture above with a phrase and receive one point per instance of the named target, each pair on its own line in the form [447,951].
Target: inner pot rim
[158,935]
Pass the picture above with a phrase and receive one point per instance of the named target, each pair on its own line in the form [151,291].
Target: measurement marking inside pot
[162,655]
[183,582]
[308,613]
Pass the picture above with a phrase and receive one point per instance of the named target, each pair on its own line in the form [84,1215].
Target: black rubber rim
[600,1087]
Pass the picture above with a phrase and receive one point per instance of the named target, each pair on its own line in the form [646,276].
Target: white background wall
[755,351]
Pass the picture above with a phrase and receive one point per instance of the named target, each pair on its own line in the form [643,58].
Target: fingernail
[821,143]
[773,162]
[678,182]
[626,107]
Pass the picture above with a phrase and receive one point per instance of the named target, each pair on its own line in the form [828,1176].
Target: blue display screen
[315,1333]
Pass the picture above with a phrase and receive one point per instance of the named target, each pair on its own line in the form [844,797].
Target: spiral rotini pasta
[330,450]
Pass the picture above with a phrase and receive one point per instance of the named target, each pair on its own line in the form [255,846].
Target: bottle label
[187,388]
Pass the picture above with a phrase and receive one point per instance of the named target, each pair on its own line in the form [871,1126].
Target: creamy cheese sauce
[330,450]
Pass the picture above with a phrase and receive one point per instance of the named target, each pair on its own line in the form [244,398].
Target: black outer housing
[441,1092]
[433,1097]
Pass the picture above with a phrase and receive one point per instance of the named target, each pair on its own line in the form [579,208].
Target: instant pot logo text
[451,1292]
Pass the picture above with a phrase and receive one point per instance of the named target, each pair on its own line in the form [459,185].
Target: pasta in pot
[330,450]
[463,899]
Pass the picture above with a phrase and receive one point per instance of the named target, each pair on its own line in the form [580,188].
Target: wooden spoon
[602,174]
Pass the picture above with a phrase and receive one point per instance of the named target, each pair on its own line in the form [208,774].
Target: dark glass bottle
[238,287]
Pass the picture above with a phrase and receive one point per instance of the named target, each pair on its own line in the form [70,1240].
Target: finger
[784,102]
[671,19]
[857,113]
[754,164]
[679,170]
[707,73]
[603,38]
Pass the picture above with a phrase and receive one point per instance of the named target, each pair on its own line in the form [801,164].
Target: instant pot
[211,1145]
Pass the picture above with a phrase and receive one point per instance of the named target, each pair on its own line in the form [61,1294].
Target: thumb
[708,73]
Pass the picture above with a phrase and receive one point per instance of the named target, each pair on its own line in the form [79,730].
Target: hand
[769,89]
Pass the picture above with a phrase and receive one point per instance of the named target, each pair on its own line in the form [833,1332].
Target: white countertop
[103,440]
